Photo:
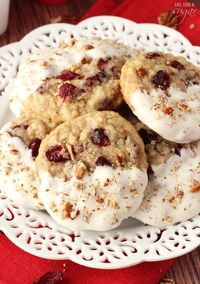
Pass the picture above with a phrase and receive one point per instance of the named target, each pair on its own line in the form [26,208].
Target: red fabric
[19,267]
[145,11]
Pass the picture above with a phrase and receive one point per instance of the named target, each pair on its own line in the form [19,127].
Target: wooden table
[26,15]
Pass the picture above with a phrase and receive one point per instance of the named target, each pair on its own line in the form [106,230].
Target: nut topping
[80,170]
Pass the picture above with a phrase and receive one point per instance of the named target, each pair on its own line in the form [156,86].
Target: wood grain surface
[26,15]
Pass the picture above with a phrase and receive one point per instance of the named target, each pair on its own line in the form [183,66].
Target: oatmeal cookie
[163,91]
[93,171]
[19,144]
[65,82]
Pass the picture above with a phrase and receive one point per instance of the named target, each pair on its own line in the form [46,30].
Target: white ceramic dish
[133,242]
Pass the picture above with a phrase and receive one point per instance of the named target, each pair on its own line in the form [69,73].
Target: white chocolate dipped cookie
[173,191]
[93,171]
[163,91]
[58,82]
[19,144]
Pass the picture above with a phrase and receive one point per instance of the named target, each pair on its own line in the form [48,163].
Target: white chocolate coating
[173,191]
[101,200]
[18,174]
[182,125]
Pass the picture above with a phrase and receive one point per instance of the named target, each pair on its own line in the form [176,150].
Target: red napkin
[145,11]
[19,267]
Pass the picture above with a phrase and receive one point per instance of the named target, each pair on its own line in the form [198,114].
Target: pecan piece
[195,188]
[80,170]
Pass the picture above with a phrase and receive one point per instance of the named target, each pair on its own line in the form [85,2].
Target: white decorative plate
[131,243]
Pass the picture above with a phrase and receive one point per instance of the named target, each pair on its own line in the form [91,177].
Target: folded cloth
[144,11]
[19,267]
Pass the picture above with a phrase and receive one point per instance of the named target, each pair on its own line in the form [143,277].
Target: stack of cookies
[103,133]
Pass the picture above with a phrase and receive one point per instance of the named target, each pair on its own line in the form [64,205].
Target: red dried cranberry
[93,80]
[152,55]
[102,62]
[161,80]
[34,146]
[102,161]
[57,154]
[176,64]
[68,91]
[99,137]
[51,277]
[68,75]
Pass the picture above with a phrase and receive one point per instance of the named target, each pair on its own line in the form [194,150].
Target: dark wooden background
[26,15]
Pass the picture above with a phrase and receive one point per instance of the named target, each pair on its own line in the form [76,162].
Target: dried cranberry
[146,136]
[51,277]
[176,64]
[68,75]
[99,137]
[68,91]
[102,62]
[93,80]
[102,161]
[161,80]
[34,146]
[57,154]
[152,55]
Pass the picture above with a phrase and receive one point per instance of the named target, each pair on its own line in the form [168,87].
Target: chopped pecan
[113,204]
[167,110]
[67,210]
[182,106]
[70,150]
[195,187]
[89,46]
[80,170]
[119,159]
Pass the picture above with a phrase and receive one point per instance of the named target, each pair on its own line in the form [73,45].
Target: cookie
[173,191]
[163,91]
[93,171]
[19,144]
[70,80]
